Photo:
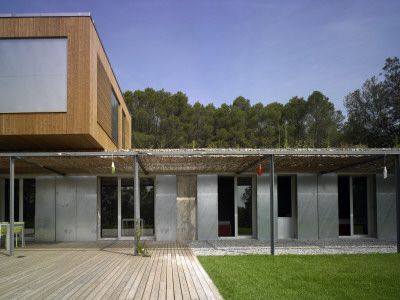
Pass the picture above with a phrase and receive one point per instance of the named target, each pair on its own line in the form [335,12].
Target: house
[64,123]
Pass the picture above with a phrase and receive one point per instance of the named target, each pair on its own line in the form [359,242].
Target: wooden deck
[103,270]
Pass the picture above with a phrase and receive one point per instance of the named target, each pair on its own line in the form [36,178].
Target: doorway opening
[286,207]
[355,204]
[236,207]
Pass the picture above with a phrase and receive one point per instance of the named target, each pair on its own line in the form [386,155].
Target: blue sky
[217,50]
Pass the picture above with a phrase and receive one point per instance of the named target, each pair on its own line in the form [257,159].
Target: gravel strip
[298,247]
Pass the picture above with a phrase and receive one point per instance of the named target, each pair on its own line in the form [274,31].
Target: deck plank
[104,270]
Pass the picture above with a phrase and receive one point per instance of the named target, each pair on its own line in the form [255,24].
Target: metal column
[271,202]
[11,234]
[397,171]
[136,202]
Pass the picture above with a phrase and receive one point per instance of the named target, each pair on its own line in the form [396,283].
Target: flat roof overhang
[200,161]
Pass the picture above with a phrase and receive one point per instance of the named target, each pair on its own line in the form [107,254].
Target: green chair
[3,231]
[19,230]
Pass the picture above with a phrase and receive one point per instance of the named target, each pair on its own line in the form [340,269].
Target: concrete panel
[165,208]
[86,221]
[386,207]
[66,209]
[207,207]
[186,207]
[307,206]
[328,216]
[263,207]
[328,211]
[45,209]
[285,228]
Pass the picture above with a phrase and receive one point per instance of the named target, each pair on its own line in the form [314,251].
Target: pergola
[201,161]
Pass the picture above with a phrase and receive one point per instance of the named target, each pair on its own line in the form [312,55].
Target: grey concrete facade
[263,207]
[307,206]
[186,202]
[165,214]
[386,207]
[207,207]
[328,215]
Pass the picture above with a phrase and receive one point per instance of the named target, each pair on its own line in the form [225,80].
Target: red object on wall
[259,170]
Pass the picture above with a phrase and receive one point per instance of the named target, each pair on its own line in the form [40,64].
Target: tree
[323,121]
[295,114]
[374,110]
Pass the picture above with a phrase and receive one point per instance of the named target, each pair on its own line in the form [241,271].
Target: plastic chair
[3,231]
[19,230]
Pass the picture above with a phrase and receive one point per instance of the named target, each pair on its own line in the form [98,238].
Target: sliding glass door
[117,207]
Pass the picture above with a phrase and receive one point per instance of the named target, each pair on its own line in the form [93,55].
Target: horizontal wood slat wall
[84,50]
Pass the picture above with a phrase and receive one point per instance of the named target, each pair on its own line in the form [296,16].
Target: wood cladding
[89,79]
[103,98]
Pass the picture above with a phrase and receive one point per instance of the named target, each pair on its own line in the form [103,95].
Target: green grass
[354,276]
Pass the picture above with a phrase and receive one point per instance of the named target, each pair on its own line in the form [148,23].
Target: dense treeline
[165,120]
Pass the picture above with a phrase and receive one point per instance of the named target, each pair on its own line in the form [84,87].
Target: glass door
[245,206]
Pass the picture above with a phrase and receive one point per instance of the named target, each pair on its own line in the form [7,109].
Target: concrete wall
[263,207]
[165,211]
[45,209]
[207,207]
[66,209]
[386,206]
[186,204]
[328,214]
[307,206]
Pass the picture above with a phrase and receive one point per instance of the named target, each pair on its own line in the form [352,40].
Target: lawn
[353,276]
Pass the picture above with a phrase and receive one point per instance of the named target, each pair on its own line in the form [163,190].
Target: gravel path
[306,247]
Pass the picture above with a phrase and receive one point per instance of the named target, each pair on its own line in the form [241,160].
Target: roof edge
[35,15]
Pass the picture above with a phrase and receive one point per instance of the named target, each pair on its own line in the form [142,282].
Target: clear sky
[217,50]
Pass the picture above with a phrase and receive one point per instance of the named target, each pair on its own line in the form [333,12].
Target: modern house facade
[62,139]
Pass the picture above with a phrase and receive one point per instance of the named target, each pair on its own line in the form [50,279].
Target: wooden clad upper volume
[87,122]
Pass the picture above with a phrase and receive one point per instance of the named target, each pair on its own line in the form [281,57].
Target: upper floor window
[114,118]
[33,75]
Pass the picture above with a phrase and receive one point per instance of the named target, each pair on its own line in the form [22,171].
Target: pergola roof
[200,161]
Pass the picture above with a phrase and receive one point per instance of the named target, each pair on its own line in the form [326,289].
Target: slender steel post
[397,175]
[136,200]
[271,202]
[11,234]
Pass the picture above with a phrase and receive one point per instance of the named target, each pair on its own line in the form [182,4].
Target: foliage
[140,245]
[165,120]
[355,276]
[374,110]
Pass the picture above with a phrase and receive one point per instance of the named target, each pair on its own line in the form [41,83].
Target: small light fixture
[112,164]
[384,167]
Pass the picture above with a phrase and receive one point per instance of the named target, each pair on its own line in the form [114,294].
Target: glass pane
[123,131]
[226,206]
[33,75]
[7,200]
[127,207]
[29,206]
[360,207]
[109,207]
[147,205]
[244,205]
[344,205]
[284,196]
[114,118]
